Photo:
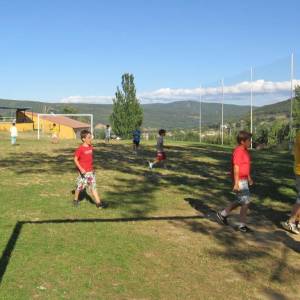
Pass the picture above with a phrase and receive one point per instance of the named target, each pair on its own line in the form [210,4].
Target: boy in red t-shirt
[160,155]
[241,163]
[83,159]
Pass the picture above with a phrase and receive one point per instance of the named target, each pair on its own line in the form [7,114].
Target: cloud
[234,92]
[88,99]
[264,92]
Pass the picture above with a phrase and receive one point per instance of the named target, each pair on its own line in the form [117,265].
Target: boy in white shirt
[13,133]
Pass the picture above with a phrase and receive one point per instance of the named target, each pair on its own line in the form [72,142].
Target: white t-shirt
[107,132]
[13,131]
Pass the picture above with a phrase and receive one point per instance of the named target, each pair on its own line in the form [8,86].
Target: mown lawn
[158,239]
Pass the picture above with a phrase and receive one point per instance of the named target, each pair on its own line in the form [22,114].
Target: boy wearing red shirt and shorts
[83,160]
[160,154]
[241,163]
[292,224]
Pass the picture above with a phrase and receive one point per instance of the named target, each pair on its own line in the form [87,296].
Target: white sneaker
[290,227]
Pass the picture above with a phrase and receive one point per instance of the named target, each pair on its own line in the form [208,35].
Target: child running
[83,159]
[160,155]
[136,135]
[292,224]
[241,162]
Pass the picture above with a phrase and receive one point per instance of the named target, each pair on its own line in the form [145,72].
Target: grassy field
[158,239]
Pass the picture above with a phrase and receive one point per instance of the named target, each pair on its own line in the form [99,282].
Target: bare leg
[295,212]
[95,196]
[243,213]
[231,207]
[155,162]
[76,196]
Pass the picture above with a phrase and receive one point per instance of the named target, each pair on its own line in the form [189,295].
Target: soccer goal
[45,122]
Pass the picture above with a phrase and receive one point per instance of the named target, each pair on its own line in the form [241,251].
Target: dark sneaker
[222,219]
[244,229]
[101,205]
[75,203]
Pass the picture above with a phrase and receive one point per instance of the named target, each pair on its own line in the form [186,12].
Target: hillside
[280,110]
[181,114]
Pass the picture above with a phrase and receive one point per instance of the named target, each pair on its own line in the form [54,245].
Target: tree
[127,112]
[67,109]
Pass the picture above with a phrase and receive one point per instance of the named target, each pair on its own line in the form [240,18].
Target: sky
[77,51]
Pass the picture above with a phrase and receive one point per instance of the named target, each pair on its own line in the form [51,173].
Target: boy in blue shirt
[136,138]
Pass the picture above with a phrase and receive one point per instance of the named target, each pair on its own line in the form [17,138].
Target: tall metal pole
[92,125]
[222,125]
[251,104]
[292,96]
[200,115]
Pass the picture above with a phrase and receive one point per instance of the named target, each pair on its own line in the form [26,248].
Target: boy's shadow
[84,195]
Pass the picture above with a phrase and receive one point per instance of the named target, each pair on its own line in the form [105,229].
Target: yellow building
[17,115]
[26,120]
[65,127]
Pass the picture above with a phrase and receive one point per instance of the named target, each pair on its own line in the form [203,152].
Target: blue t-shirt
[136,135]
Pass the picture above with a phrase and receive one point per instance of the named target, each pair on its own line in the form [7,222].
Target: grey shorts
[243,195]
[298,188]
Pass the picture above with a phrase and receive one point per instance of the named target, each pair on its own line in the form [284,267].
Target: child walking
[292,223]
[55,134]
[160,154]
[241,163]
[107,134]
[83,160]
[13,133]
[136,138]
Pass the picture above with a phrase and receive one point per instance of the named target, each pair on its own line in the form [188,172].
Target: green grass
[157,240]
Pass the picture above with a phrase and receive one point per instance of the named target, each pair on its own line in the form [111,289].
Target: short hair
[243,136]
[107,125]
[161,131]
[84,133]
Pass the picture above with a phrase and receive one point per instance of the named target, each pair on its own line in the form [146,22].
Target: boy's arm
[236,171]
[81,170]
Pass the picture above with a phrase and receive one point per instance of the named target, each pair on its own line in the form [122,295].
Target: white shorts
[243,195]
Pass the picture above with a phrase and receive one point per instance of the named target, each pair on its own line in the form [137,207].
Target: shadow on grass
[240,250]
[200,170]
[8,251]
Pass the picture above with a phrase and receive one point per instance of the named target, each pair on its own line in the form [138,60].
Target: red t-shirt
[241,158]
[85,157]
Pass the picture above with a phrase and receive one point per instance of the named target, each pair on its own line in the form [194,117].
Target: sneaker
[150,164]
[222,219]
[75,202]
[101,205]
[244,229]
[290,227]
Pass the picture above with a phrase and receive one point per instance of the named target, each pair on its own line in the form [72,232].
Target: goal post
[39,116]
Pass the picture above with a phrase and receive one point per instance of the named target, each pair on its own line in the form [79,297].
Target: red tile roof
[62,120]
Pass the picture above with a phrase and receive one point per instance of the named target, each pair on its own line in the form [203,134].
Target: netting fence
[260,100]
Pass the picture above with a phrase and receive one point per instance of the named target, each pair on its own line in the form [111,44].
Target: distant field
[157,240]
